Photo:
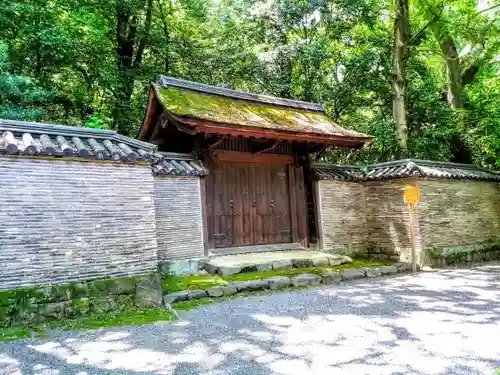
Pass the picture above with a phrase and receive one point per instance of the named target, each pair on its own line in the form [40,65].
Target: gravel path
[434,323]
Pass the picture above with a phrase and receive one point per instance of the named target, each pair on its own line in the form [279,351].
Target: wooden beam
[246,157]
[205,126]
[217,142]
[266,147]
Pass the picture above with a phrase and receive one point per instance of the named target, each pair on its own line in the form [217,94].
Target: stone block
[216,291]
[26,318]
[4,316]
[278,282]
[282,264]
[228,270]
[320,262]
[176,297]
[305,279]
[60,293]
[245,286]
[302,263]
[99,288]
[122,285]
[180,267]
[229,290]
[264,267]
[388,270]
[356,273]
[125,301]
[78,307]
[103,305]
[148,291]
[52,311]
[402,267]
[196,294]
[372,272]
[43,295]
[331,277]
[79,290]
[210,268]
[335,261]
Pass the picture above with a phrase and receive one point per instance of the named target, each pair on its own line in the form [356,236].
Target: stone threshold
[327,277]
[254,249]
[266,261]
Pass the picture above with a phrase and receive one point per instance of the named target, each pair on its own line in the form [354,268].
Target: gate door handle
[254,203]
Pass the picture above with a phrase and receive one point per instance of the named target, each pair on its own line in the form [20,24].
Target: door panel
[251,204]
[273,221]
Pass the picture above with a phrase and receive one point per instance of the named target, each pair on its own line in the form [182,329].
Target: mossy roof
[184,102]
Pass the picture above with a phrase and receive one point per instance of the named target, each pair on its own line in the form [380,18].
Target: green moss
[126,317]
[222,109]
[290,272]
[172,283]
[14,333]
[188,305]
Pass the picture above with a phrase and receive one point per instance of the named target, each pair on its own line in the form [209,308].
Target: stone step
[267,261]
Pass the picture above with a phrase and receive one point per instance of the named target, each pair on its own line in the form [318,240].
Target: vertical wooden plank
[283,191]
[293,203]
[317,213]
[251,198]
[204,218]
[247,204]
[301,206]
[210,213]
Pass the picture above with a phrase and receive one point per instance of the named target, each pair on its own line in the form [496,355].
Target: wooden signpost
[411,198]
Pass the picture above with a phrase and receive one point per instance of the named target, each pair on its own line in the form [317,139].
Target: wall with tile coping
[371,218]
[65,221]
[342,215]
[459,212]
[179,217]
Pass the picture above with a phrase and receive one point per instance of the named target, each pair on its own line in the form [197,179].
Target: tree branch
[145,37]
[422,30]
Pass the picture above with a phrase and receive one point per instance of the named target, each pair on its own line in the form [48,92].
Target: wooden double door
[249,204]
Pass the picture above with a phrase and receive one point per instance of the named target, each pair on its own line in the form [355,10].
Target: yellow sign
[411,194]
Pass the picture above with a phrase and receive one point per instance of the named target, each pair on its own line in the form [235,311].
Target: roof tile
[36,139]
[403,169]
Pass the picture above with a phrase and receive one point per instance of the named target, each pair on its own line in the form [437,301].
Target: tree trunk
[454,72]
[128,62]
[400,55]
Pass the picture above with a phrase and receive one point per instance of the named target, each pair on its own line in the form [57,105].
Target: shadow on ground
[442,323]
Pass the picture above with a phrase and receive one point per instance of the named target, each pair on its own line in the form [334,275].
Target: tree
[399,62]
[20,97]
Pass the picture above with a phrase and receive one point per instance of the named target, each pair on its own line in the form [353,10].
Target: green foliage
[94,122]
[20,97]
[58,58]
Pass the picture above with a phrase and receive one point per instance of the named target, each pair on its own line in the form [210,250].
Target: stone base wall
[43,304]
[457,256]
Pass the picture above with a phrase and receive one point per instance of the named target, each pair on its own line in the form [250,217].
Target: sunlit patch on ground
[442,323]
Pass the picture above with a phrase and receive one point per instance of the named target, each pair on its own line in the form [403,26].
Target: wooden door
[251,205]
[272,223]
[232,198]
